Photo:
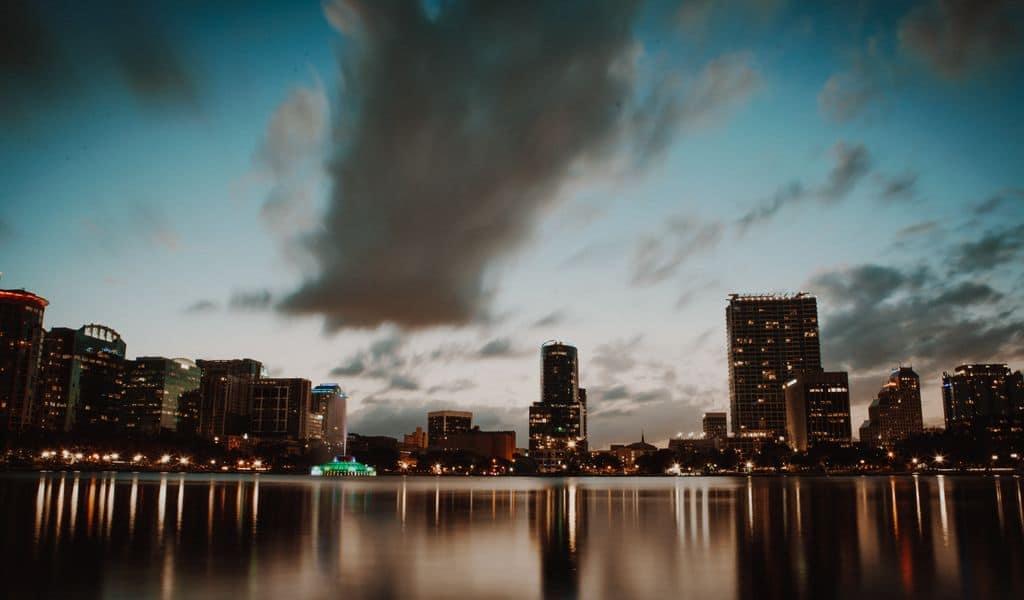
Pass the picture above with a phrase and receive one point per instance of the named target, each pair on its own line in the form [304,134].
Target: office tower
[153,389]
[331,403]
[188,412]
[817,409]
[982,400]
[415,440]
[441,423]
[225,397]
[82,379]
[895,414]
[715,426]
[558,421]
[281,408]
[771,338]
[21,344]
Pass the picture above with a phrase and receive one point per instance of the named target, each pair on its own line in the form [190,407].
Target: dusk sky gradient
[409,198]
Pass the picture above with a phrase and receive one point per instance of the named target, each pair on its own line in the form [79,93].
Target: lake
[171,535]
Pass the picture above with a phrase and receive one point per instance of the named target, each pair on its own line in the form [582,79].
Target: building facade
[715,426]
[558,422]
[818,409]
[983,400]
[21,345]
[895,414]
[82,380]
[226,396]
[442,423]
[281,409]
[154,387]
[487,444]
[417,440]
[771,338]
[331,403]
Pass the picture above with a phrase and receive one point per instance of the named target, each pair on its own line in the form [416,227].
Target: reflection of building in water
[556,514]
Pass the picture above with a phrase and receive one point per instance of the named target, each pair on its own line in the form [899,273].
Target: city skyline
[870,155]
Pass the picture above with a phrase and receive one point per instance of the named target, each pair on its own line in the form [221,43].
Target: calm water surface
[194,536]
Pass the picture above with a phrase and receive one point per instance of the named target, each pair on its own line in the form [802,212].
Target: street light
[939,459]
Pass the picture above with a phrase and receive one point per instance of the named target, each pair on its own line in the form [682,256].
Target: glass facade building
[818,409]
[21,344]
[154,387]
[558,423]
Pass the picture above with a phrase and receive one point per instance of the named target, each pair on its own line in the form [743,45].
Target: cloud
[382,359]
[917,229]
[6,231]
[877,316]
[250,300]
[403,382]
[994,249]
[847,94]
[60,53]
[447,162]
[851,163]
[898,187]
[616,357]
[201,306]
[1013,197]
[957,37]
[551,319]
[496,347]
[657,257]
[459,385]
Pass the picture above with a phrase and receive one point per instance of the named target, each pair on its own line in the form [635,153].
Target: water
[196,536]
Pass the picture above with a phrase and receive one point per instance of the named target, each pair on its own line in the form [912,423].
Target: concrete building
[486,444]
[895,414]
[983,401]
[416,440]
[153,389]
[225,396]
[21,346]
[715,426]
[442,423]
[558,422]
[817,409]
[770,339]
[82,380]
[281,409]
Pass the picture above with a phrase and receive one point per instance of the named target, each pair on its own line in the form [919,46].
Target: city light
[183,460]
[166,458]
[137,458]
[939,459]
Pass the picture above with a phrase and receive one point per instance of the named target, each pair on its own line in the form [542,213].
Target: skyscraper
[281,408]
[817,409]
[982,400]
[82,379]
[558,422]
[154,386]
[442,423]
[21,343]
[331,402]
[771,338]
[225,396]
[895,414]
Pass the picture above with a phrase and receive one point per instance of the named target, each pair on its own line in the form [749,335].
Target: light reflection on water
[189,536]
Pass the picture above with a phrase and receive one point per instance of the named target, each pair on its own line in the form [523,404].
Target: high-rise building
[715,427]
[817,409]
[415,440]
[983,400]
[225,396]
[188,412]
[558,422]
[21,344]
[82,379]
[771,338]
[281,408]
[154,386]
[895,414]
[330,402]
[442,423]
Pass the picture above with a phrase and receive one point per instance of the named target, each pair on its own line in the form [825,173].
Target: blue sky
[878,145]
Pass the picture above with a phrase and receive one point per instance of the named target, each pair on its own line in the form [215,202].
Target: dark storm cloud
[956,37]
[994,249]
[50,53]
[851,163]
[658,256]
[877,316]
[460,128]
[250,300]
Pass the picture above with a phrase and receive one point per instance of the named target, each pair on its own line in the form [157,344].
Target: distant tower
[21,342]
[771,339]
[558,423]
[895,414]
[331,403]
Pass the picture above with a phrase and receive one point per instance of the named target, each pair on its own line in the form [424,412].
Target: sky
[409,198]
